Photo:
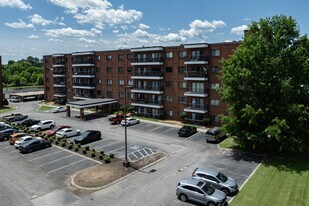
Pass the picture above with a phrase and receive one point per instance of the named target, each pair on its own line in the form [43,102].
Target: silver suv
[201,192]
[214,134]
[216,179]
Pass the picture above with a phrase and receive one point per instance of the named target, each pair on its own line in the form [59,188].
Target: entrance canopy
[91,103]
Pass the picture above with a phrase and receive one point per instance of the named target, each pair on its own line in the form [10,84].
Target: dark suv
[215,135]
[5,134]
[88,136]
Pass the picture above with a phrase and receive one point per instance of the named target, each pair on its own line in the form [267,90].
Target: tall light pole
[126,163]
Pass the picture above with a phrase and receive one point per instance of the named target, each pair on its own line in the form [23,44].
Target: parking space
[55,161]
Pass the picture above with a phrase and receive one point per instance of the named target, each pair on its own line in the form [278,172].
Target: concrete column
[81,113]
[68,111]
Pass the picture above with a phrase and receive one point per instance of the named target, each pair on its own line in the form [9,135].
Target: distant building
[166,81]
[1,84]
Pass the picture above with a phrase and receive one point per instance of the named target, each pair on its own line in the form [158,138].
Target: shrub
[206,121]
[51,140]
[76,149]
[93,154]
[93,150]
[63,144]
[87,147]
[79,145]
[56,142]
[71,143]
[64,140]
[161,116]
[107,159]
[101,156]
[102,152]
[112,155]
[84,151]
[70,147]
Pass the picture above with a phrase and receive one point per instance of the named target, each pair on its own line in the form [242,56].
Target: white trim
[147,105]
[193,94]
[58,65]
[60,95]
[147,77]
[196,62]
[58,55]
[191,46]
[83,76]
[59,85]
[195,111]
[145,63]
[59,75]
[82,53]
[146,91]
[144,49]
[83,87]
[82,65]
[84,98]
[196,78]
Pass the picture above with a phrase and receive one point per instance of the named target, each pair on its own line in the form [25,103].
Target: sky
[43,27]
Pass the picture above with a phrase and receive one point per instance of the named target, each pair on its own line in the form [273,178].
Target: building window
[182,69]
[120,56]
[168,83]
[169,54]
[97,69]
[215,53]
[215,69]
[130,96]
[98,58]
[109,57]
[99,92]
[182,85]
[120,69]
[169,113]
[109,69]
[130,56]
[121,94]
[182,99]
[214,85]
[109,81]
[130,82]
[130,69]
[109,94]
[182,54]
[169,98]
[98,81]
[168,69]
[214,102]
[121,82]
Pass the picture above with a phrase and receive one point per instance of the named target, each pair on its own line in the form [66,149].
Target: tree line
[25,72]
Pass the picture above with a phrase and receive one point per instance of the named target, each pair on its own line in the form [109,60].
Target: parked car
[33,145]
[214,135]
[14,99]
[88,136]
[23,140]
[59,109]
[16,136]
[28,122]
[15,117]
[201,192]
[45,124]
[117,119]
[56,129]
[5,134]
[130,121]
[186,131]
[67,132]
[216,179]
[5,126]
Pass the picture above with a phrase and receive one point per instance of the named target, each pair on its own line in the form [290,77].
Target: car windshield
[222,177]
[84,134]
[208,189]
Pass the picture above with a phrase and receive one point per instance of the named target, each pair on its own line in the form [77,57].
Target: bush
[56,142]
[51,140]
[84,151]
[64,140]
[161,116]
[101,156]
[76,149]
[112,155]
[93,150]
[206,121]
[70,147]
[93,154]
[78,145]
[107,159]
[87,147]
[71,143]
[102,152]
[63,144]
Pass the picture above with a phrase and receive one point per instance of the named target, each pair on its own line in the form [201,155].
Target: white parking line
[14,151]
[193,136]
[154,129]
[7,147]
[55,160]
[66,166]
[107,145]
[167,130]
[134,155]
[45,156]
[118,149]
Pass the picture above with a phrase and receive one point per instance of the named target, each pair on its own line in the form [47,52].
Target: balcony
[148,89]
[196,108]
[84,74]
[59,93]
[196,60]
[147,61]
[196,76]
[82,62]
[83,96]
[196,92]
[58,62]
[59,83]
[147,75]
[158,104]
[83,85]
[60,73]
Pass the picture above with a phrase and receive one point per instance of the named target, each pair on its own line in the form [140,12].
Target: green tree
[266,84]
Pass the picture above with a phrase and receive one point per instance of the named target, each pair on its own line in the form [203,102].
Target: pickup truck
[15,117]
[117,119]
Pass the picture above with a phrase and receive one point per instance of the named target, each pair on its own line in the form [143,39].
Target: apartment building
[162,80]
[1,84]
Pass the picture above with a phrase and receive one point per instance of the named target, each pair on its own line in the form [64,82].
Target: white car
[130,121]
[45,124]
[24,139]
[59,109]
[67,132]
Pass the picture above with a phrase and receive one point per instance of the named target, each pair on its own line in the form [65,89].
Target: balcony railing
[83,95]
[148,59]
[148,115]
[155,88]
[59,82]
[84,84]
[86,61]
[60,92]
[197,74]
[197,90]
[58,62]
[196,106]
[148,101]
[83,73]
[196,58]
[149,74]
[60,72]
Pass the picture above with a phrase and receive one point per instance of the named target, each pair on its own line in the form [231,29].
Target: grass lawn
[44,108]
[6,109]
[282,179]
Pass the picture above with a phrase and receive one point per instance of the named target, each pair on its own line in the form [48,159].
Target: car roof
[16,134]
[191,181]
[207,170]
[92,131]
[47,121]
[214,129]
[26,137]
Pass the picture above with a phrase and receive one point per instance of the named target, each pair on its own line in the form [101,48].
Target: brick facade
[1,84]
[165,80]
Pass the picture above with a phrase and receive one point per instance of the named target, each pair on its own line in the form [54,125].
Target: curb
[114,182]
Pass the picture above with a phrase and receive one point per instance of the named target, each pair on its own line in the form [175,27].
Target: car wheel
[226,191]
[29,150]
[5,138]
[78,133]
[52,126]
[39,129]
[64,136]
[183,197]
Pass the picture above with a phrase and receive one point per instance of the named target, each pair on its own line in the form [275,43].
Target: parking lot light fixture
[126,163]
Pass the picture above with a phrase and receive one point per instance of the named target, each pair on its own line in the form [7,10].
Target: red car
[56,129]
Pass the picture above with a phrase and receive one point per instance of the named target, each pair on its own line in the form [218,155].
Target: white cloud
[15,4]
[143,26]
[163,29]
[33,37]
[171,37]
[39,20]
[239,30]
[199,28]
[19,25]
[69,32]
[98,12]
[247,19]
[142,34]
[55,40]
[88,41]
[116,31]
